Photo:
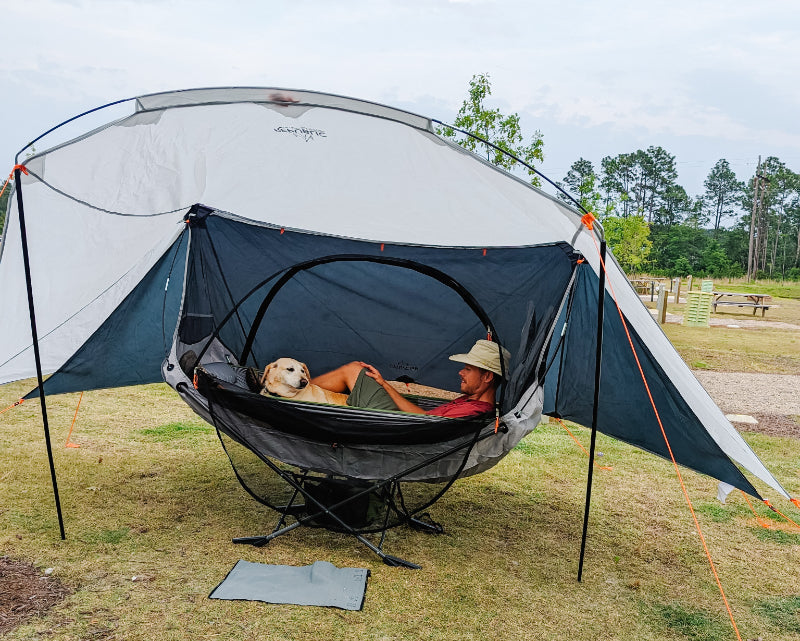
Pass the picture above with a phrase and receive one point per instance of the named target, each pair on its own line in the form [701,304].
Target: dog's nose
[303,383]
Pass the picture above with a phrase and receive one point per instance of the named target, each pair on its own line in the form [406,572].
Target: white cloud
[720,71]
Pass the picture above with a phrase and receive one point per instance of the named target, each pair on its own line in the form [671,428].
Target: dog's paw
[253,379]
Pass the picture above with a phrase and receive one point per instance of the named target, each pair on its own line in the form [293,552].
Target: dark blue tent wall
[624,410]
[403,321]
[131,344]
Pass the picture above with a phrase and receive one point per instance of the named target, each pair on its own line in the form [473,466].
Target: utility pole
[761,229]
[756,181]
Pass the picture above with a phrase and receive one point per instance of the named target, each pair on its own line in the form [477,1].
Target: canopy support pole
[597,366]
[35,336]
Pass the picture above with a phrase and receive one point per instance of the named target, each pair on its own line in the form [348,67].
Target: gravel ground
[740,393]
[772,399]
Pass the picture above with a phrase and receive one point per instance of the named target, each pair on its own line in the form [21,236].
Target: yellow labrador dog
[290,378]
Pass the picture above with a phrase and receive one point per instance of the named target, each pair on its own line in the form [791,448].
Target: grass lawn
[149,494]
[763,349]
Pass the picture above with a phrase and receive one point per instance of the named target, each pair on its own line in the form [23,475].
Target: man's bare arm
[403,404]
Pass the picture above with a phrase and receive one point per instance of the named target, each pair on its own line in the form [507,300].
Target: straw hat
[486,355]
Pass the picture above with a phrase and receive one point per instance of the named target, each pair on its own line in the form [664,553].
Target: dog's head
[285,377]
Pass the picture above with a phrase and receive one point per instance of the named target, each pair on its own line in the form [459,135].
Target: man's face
[473,379]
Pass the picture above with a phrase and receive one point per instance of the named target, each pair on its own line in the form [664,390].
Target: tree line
[652,224]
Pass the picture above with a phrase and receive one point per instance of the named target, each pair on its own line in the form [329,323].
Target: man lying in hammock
[480,378]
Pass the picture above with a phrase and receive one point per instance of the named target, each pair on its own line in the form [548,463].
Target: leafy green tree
[675,206]
[671,244]
[776,225]
[723,192]
[582,181]
[682,267]
[617,181]
[502,131]
[4,207]
[715,260]
[655,175]
[629,239]
[638,183]
[784,194]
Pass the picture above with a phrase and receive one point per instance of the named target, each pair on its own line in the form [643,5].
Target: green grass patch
[690,623]
[111,537]
[526,448]
[172,431]
[777,536]
[783,613]
[150,494]
[768,351]
[717,512]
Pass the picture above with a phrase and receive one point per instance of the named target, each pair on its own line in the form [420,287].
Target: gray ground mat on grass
[321,583]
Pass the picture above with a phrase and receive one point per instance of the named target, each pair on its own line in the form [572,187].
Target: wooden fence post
[662,304]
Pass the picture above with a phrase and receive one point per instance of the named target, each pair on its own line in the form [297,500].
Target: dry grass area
[755,345]
[765,351]
[151,506]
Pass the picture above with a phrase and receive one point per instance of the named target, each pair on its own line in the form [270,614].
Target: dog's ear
[267,370]
[305,371]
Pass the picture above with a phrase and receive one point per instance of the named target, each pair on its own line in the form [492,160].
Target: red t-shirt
[461,407]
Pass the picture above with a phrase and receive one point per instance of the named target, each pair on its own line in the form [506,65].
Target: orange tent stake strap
[669,447]
[760,521]
[68,444]
[580,445]
[777,511]
[13,405]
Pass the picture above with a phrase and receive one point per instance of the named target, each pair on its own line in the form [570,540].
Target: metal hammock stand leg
[330,511]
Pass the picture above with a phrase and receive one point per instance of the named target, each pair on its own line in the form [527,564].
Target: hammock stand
[336,502]
[341,461]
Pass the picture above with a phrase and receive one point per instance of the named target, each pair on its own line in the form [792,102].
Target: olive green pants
[368,394]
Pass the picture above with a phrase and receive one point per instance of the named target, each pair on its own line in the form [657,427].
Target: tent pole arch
[35,338]
[515,159]
[436,274]
[69,120]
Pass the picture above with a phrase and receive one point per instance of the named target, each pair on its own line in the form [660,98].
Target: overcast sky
[705,80]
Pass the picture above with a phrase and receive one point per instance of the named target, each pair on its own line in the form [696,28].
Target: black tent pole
[597,365]
[24,238]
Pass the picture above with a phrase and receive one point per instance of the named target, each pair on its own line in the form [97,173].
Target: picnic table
[646,286]
[739,299]
[642,285]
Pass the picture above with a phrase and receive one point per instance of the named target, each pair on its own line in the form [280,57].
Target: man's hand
[372,372]
[402,402]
